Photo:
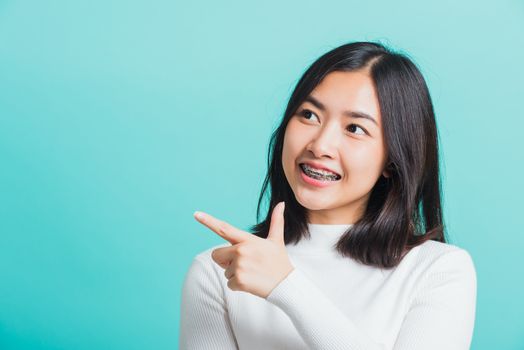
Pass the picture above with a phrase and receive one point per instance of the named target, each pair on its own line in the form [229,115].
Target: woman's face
[329,130]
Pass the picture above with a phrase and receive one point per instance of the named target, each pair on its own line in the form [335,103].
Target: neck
[337,216]
[322,238]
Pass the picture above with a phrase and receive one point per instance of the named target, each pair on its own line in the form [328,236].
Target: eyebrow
[352,114]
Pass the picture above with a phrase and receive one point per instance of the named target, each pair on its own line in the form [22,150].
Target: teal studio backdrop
[119,119]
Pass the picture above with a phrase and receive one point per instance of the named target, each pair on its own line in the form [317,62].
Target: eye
[306,113]
[352,126]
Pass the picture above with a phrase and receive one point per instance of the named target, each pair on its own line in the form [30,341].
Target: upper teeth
[319,171]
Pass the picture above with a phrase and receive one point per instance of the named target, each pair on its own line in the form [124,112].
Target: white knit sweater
[333,302]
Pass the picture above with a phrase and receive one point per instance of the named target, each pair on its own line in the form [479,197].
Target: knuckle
[223,228]
[242,250]
[239,269]
[240,283]
[214,255]
[230,284]
[239,274]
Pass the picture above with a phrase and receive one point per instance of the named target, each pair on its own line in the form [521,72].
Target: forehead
[353,91]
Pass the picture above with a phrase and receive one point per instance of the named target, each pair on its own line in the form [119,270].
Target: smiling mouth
[318,174]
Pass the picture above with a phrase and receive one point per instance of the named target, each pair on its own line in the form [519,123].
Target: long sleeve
[441,315]
[318,321]
[204,322]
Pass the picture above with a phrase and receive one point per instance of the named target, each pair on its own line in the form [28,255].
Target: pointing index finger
[222,228]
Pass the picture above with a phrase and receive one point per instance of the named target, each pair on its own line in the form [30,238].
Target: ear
[387,171]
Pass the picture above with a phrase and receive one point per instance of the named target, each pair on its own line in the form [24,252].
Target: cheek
[291,146]
[287,155]
[364,160]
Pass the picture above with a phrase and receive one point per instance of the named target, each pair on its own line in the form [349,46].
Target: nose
[325,142]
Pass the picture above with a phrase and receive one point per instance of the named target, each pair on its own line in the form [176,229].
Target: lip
[313,182]
[319,166]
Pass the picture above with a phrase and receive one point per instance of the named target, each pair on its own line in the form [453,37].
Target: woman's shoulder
[203,270]
[435,255]
[446,275]
[437,249]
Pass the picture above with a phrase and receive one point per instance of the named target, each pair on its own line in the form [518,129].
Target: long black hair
[404,209]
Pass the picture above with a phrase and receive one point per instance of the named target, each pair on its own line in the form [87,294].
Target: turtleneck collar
[323,238]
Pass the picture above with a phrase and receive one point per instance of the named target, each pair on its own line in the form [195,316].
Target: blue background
[119,119]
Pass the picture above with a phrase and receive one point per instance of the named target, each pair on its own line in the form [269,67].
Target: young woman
[358,259]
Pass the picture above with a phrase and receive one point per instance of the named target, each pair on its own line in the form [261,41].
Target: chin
[313,201]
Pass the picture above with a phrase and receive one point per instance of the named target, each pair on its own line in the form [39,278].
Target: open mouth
[318,174]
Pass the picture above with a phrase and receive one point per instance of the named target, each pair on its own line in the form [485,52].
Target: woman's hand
[252,264]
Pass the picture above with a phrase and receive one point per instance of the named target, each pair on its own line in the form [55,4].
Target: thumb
[276,226]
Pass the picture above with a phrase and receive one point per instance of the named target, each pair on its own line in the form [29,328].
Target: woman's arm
[441,315]
[204,323]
